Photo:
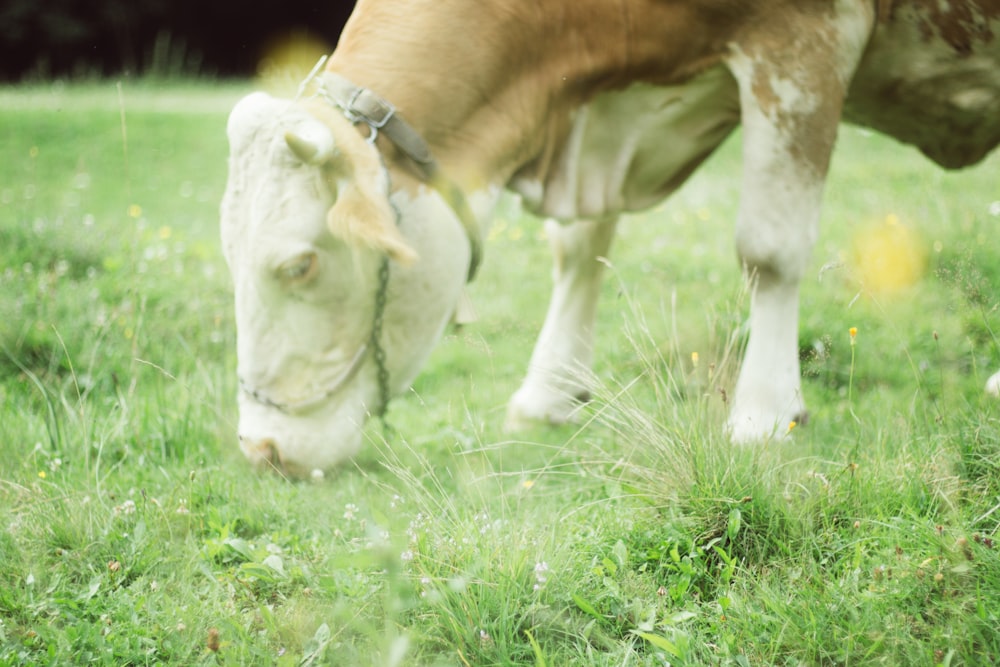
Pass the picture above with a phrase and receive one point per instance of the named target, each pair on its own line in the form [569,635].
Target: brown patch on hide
[929,79]
[361,213]
[961,24]
[797,49]
[810,133]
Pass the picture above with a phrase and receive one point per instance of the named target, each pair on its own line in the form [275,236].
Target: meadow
[132,532]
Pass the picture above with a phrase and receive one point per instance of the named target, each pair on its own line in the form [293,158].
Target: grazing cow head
[323,240]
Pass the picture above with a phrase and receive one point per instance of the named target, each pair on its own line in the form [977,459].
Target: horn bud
[312,145]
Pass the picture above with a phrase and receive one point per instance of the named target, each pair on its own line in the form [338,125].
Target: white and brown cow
[353,215]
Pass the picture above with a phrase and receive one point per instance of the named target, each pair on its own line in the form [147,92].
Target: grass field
[133,533]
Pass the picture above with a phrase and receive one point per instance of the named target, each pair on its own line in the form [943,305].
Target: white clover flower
[541,575]
[127,507]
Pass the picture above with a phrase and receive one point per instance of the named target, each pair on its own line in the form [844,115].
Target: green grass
[132,531]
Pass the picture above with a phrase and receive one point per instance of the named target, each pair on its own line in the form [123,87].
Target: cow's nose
[265,454]
[262,452]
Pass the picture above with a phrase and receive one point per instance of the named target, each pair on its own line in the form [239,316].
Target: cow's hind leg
[556,383]
[791,98]
[775,232]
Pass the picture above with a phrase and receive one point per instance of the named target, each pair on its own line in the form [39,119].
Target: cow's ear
[361,216]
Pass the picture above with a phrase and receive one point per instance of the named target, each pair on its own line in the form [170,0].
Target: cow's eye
[299,269]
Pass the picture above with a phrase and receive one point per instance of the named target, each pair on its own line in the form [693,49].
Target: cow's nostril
[269,449]
[263,452]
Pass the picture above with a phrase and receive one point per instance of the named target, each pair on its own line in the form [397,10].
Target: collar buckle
[366,107]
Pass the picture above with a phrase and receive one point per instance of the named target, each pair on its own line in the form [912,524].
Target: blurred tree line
[40,39]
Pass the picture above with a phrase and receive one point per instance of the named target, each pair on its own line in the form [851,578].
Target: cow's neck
[485,109]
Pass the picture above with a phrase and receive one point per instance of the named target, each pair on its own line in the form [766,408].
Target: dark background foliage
[55,38]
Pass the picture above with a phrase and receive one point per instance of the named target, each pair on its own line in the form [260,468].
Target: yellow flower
[694,359]
[890,256]
[854,333]
[791,425]
[41,474]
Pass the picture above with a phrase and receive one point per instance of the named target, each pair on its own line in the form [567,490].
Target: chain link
[378,352]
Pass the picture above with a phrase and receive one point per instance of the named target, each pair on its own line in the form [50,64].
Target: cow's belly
[934,84]
[627,150]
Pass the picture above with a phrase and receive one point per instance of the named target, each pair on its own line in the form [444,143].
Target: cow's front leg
[791,98]
[556,383]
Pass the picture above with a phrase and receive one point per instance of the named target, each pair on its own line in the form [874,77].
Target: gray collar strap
[361,105]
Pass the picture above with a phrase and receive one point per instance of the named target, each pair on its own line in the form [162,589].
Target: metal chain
[378,352]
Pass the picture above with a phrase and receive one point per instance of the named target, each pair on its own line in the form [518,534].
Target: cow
[354,214]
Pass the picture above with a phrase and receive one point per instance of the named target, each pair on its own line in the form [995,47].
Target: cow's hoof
[530,407]
[993,385]
[751,429]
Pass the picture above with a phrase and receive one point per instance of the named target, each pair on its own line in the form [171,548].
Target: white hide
[628,150]
[299,321]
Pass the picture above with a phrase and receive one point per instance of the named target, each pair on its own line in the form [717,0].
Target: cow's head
[310,214]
